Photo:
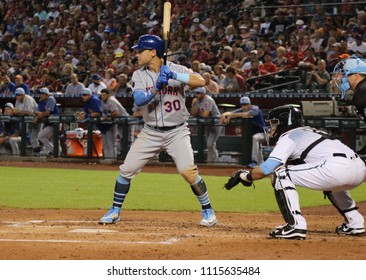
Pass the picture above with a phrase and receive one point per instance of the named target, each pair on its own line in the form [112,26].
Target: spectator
[204,106]
[267,66]
[123,87]
[293,58]
[200,53]
[280,60]
[20,83]
[248,110]
[74,87]
[210,85]
[233,82]
[318,78]
[109,79]
[97,85]
[8,87]
[358,46]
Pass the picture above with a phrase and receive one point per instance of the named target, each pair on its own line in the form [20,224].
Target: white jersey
[291,145]
[168,107]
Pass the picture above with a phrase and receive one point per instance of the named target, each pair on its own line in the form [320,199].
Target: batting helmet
[282,119]
[150,42]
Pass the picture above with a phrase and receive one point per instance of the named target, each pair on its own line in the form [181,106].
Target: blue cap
[86,91]
[199,90]
[19,91]
[244,100]
[96,77]
[44,90]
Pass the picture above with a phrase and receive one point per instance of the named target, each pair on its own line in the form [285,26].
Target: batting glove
[161,82]
[169,73]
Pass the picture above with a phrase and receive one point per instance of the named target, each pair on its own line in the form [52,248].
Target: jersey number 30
[172,105]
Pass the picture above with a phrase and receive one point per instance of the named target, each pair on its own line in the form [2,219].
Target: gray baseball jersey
[165,126]
[212,132]
[168,107]
[112,104]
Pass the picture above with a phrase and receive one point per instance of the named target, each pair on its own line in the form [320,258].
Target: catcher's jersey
[168,107]
[292,143]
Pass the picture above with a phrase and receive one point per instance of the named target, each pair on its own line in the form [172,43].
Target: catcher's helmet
[346,67]
[281,119]
[150,42]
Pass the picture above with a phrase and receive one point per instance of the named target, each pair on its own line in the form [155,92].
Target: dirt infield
[75,234]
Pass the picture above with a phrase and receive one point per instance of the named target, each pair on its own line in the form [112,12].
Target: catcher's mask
[347,67]
[281,119]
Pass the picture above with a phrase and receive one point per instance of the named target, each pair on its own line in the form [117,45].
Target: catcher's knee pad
[199,189]
[190,174]
[279,174]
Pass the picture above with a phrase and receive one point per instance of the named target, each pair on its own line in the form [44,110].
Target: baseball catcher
[309,158]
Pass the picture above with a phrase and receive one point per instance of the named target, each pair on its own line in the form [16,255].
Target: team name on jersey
[169,90]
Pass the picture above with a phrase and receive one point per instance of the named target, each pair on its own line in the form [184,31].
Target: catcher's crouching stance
[306,157]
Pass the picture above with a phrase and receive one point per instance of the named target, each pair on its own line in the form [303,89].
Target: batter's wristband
[182,77]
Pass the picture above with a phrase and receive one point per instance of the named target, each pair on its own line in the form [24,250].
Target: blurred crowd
[68,45]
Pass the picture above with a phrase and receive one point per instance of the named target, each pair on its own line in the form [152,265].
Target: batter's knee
[190,174]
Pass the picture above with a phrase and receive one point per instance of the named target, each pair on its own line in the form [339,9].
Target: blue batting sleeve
[269,166]
[182,77]
[142,98]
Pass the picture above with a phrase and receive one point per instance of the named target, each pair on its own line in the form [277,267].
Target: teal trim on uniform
[122,180]
[269,166]
[182,77]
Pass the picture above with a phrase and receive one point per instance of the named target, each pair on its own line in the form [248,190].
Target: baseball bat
[166,28]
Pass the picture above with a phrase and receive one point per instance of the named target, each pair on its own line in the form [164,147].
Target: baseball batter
[306,157]
[159,91]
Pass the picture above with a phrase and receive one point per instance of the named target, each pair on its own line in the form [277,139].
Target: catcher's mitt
[235,179]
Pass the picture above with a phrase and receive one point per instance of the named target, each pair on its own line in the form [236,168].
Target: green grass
[91,189]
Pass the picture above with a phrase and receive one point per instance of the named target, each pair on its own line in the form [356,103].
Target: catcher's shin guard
[341,201]
[288,203]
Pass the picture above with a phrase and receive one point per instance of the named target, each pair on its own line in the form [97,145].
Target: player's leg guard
[287,198]
[346,206]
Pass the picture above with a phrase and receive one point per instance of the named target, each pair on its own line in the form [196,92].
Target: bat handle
[166,45]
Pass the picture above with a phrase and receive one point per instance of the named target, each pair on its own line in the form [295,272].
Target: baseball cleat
[209,218]
[111,217]
[345,230]
[288,232]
